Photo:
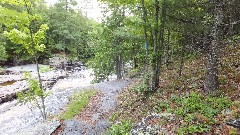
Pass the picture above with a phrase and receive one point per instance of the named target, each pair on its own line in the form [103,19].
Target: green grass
[77,103]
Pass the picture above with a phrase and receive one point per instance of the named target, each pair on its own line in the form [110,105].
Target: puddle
[7,83]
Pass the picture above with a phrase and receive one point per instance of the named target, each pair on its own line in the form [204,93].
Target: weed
[163,105]
[122,128]
[196,111]
[113,117]
[143,88]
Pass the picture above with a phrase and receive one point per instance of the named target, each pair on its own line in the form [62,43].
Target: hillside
[187,108]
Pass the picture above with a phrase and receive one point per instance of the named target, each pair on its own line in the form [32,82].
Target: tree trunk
[119,67]
[43,107]
[144,11]
[155,48]
[182,60]
[161,44]
[211,80]
[167,46]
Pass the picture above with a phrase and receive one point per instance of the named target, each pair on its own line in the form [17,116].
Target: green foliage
[223,80]
[197,111]
[113,117]
[144,87]
[44,69]
[34,94]
[69,31]
[3,52]
[162,105]
[122,128]
[1,69]
[77,103]
[134,72]
[34,90]
[19,26]
[24,38]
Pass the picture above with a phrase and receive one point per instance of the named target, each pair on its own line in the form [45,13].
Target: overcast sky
[89,7]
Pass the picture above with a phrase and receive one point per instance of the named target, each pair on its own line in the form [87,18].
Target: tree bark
[211,80]
[119,66]
[167,46]
[155,48]
[182,60]
[144,12]
[161,44]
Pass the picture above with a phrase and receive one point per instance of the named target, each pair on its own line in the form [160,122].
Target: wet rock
[10,85]
[148,126]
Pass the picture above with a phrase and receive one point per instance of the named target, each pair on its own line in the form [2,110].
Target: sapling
[31,37]
[36,95]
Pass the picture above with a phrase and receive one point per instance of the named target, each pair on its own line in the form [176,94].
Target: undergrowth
[195,111]
[122,128]
[77,102]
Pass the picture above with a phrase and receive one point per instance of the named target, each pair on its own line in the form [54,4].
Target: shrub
[122,128]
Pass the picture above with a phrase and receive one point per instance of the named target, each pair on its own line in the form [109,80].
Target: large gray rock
[10,85]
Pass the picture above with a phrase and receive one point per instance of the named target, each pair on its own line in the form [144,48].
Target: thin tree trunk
[167,46]
[38,71]
[119,67]
[155,48]
[182,60]
[161,43]
[145,33]
[211,80]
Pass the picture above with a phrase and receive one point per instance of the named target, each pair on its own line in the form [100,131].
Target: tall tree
[211,81]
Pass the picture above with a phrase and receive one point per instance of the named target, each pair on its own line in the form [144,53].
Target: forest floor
[182,98]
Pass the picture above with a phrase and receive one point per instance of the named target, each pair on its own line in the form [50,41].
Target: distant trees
[69,32]
[115,43]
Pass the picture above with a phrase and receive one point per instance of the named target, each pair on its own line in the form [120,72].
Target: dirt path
[94,118]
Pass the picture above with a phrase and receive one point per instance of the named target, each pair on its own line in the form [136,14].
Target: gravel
[108,102]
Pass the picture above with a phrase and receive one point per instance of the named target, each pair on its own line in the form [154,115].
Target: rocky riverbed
[20,120]
[13,80]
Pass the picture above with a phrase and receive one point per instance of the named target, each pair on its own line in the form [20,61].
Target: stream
[18,119]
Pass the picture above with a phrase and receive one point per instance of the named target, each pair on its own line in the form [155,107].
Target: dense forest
[184,55]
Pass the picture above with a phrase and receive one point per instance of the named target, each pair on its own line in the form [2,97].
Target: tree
[22,31]
[68,30]
[211,81]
